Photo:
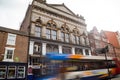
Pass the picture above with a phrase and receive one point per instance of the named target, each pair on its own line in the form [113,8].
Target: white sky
[104,14]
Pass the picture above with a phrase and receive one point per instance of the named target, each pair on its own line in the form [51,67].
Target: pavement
[117,78]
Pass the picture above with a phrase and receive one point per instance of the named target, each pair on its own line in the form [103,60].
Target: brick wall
[3,39]
[21,48]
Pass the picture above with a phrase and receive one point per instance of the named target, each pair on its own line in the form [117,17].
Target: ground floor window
[21,72]
[78,51]
[51,48]
[66,50]
[87,52]
[11,72]
[2,72]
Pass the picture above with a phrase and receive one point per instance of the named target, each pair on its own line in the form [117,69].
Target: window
[36,60]
[52,48]
[37,31]
[2,72]
[48,33]
[77,40]
[65,37]
[87,52]
[11,72]
[9,52]
[54,34]
[11,39]
[74,40]
[51,34]
[66,49]
[37,48]
[78,51]
[83,41]
[21,72]
[62,36]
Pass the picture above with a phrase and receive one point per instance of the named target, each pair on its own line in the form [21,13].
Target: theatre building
[13,54]
[54,28]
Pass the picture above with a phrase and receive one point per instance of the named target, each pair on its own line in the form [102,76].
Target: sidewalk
[115,79]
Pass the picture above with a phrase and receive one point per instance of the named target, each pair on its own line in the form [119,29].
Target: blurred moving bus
[76,67]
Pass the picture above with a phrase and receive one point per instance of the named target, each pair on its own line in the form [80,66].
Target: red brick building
[113,38]
[100,40]
[13,45]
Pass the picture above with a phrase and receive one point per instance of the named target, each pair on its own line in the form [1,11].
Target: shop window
[78,51]
[52,48]
[87,52]
[21,72]
[11,72]
[2,72]
[66,50]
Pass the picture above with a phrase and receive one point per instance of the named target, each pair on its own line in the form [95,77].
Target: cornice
[54,10]
[50,12]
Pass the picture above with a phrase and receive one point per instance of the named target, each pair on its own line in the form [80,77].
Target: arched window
[38,28]
[51,30]
[76,37]
[65,37]
[37,31]
[84,36]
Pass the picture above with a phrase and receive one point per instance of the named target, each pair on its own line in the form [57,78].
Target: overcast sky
[104,14]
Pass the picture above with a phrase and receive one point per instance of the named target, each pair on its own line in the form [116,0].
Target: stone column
[59,35]
[71,38]
[60,49]
[43,32]
[90,52]
[87,40]
[84,52]
[73,50]
[43,48]
[31,47]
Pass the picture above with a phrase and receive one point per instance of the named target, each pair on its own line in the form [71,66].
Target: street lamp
[104,51]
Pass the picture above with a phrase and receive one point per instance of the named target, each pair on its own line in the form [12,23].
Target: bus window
[11,72]
[21,72]
[2,72]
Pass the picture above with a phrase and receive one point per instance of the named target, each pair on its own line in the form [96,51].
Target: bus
[76,67]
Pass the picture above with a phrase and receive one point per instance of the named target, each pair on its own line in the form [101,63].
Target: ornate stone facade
[55,28]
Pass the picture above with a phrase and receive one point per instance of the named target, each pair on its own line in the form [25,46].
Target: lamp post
[105,50]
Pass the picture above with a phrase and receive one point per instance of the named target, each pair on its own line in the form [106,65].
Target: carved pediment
[63,8]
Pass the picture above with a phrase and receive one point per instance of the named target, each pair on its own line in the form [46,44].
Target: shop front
[13,71]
